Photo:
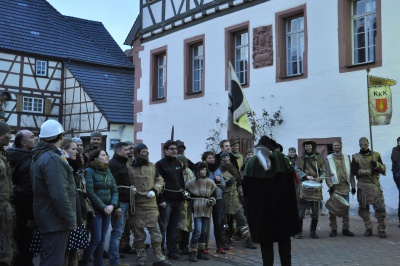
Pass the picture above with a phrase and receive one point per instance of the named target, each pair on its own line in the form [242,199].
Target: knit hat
[4,128]
[96,134]
[180,143]
[202,165]
[222,155]
[138,148]
[77,140]
[233,141]
[363,139]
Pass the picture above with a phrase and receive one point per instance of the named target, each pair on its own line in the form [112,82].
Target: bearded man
[270,200]
[149,184]
[367,166]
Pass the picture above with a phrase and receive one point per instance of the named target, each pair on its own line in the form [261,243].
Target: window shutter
[18,106]
[47,107]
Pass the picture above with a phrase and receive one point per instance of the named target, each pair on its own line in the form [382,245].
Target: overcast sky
[117,16]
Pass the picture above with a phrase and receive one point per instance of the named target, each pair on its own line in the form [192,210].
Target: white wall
[326,104]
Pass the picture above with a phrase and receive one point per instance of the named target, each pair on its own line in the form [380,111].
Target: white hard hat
[50,128]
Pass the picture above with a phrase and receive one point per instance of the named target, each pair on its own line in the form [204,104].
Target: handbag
[90,210]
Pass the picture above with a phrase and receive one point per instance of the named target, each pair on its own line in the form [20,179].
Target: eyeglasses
[173,149]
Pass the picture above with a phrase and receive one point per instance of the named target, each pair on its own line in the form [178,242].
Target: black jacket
[171,171]
[20,162]
[120,173]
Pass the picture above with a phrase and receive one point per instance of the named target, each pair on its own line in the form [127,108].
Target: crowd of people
[59,199]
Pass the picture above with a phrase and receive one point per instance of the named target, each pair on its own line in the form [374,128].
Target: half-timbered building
[64,68]
[306,58]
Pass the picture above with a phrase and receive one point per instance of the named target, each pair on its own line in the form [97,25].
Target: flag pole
[369,112]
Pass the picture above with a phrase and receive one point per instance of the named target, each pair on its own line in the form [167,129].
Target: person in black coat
[270,200]
[20,159]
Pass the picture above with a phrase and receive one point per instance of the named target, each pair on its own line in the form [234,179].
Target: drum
[337,205]
[311,191]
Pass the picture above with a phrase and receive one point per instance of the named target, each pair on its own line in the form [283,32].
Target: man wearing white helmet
[54,193]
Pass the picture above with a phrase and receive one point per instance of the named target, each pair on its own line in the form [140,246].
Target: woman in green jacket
[103,195]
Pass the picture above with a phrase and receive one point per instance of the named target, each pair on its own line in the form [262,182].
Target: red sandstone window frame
[345,38]
[280,31]
[230,34]
[189,44]
[154,56]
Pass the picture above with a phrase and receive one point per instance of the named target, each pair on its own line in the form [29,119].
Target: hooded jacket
[54,190]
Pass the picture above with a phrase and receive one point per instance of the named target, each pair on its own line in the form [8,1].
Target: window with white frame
[32,105]
[161,71]
[364,30]
[197,68]
[241,56]
[294,45]
[41,68]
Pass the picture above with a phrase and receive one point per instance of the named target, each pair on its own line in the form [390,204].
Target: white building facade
[305,58]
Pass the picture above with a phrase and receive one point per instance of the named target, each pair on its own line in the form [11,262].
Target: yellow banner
[377,81]
[380,105]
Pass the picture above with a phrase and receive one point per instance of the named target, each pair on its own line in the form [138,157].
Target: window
[161,70]
[197,67]
[364,31]
[41,68]
[360,39]
[194,67]
[238,53]
[32,105]
[291,44]
[294,46]
[241,56]
[158,75]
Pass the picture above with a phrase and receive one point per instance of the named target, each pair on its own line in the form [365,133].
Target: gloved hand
[151,194]
[331,190]
[374,164]
[230,181]
[211,201]
[186,194]
[353,191]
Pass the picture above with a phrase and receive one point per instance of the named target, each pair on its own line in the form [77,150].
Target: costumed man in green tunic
[367,166]
[312,165]
[8,246]
[270,200]
[148,184]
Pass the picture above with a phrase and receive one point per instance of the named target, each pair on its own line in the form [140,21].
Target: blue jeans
[397,181]
[54,246]
[118,226]
[169,217]
[98,231]
[217,221]
[200,231]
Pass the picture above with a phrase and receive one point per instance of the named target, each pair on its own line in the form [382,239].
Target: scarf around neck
[102,167]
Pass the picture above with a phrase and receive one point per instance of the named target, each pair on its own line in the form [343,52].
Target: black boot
[192,256]
[333,233]
[184,242]
[299,235]
[313,229]
[202,255]
[346,232]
